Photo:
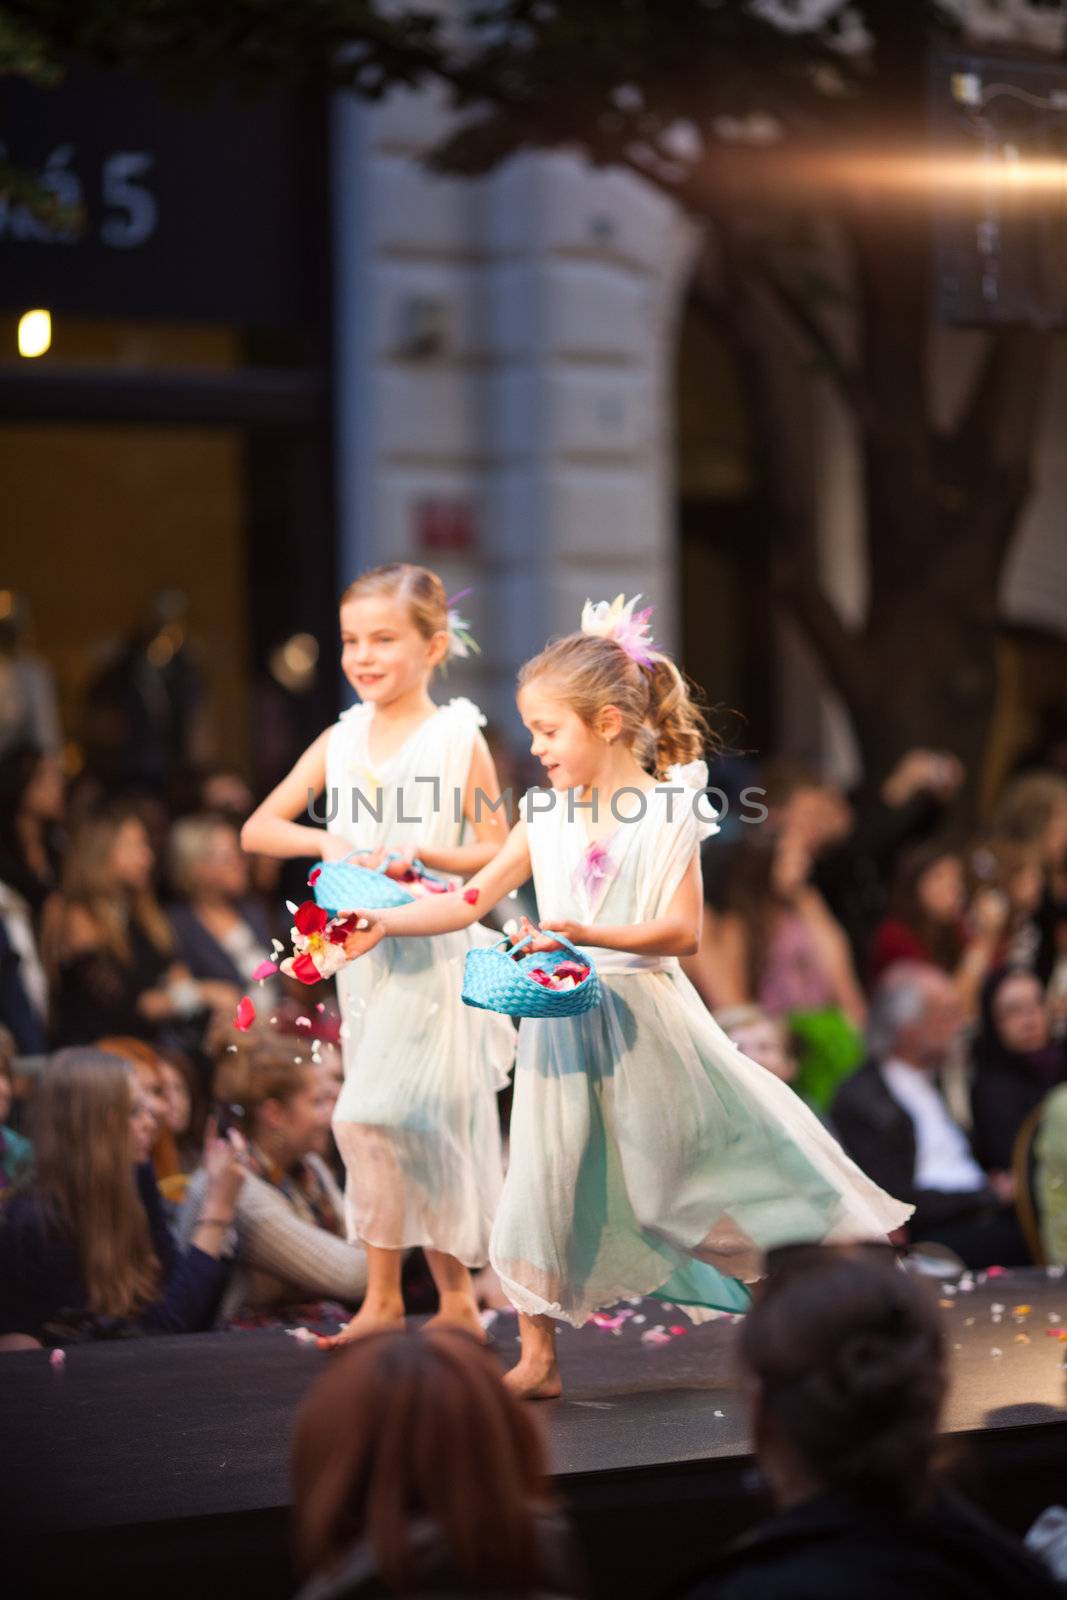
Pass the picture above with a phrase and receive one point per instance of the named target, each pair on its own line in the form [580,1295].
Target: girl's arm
[446,913]
[490,825]
[271,831]
[676,933]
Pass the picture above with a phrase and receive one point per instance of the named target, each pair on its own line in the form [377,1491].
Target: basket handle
[394,855]
[560,938]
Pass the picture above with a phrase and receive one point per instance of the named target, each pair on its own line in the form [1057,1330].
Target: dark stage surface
[162,1463]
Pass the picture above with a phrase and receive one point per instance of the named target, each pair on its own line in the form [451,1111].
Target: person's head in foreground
[843,1356]
[414,1468]
[846,1361]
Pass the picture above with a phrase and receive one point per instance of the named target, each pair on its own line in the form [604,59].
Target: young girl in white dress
[648,1155]
[416,1120]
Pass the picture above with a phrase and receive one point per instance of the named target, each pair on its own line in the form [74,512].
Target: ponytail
[679,729]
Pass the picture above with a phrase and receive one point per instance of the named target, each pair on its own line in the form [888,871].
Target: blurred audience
[777,945]
[855,870]
[1015,1063]
[85,1252]
[289,1226]
[764,1039]
[184,1112]
[1050,1177]
[415,1472]
[31,816]
[929,920]
[843,1362]
[1033,813]
[108,946]
[143,1060]
[220,932]
[16,1152]
[895,1123]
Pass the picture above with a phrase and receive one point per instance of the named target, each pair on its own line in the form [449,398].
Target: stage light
[35,333]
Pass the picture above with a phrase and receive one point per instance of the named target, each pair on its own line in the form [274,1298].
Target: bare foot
[458,1311]
[370,1318]
[534,1380]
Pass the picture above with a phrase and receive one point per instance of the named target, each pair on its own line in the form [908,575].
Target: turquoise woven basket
[494,981]
[345,886]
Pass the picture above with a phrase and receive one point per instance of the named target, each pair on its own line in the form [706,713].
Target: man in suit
[895,1123]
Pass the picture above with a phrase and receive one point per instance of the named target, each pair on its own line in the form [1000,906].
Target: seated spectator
[31,812]
[1050,1177]
[762,1038]
[184,1112]
[16,1152]
[1016,871]
[894,1122]
[415,1472]
[108,946]
[142,1059]
[1015,1063]
[929,921]
[290,1245]
[777,945]
[84,1248]
[855,873]
[220,932]
[1033,813]
[844,1363]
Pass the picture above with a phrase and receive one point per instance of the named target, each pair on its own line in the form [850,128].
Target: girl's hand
[402,865]
[335,848]
[543,939]
[363,940]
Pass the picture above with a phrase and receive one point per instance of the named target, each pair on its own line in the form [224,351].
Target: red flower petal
[305,969]
[266,969]
[313,877]
[246,1014]
[471,896]
[310,918]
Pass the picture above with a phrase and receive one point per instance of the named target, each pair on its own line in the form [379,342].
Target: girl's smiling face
[383,654]
[569,750]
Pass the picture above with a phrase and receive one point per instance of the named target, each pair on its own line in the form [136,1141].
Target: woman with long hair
[108,945]
[148,1067]
[84,1246]
[929,920]
[416,1472]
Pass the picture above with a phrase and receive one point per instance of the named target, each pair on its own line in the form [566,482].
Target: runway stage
[160,1465]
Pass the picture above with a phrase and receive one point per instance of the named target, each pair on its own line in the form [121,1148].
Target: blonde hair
[1028,805]
[416,587]
[87,882]
[83,1169]
[189,842]
[661,720]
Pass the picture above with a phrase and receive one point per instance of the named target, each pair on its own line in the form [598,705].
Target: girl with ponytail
[648,1155]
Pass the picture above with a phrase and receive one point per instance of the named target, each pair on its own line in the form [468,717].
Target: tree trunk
[940,510]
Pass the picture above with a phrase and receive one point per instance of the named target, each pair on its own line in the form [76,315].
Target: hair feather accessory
[461,642]
[619,621]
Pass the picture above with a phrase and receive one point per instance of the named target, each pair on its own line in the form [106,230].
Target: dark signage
[181,210]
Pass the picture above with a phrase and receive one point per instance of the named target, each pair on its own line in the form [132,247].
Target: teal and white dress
[649,1155]
[416,1120]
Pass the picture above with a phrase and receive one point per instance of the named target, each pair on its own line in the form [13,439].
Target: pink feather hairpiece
[619,621]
